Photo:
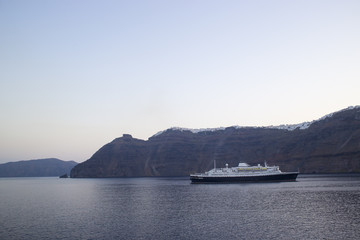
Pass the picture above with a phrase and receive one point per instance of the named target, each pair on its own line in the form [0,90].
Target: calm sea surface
[314,207]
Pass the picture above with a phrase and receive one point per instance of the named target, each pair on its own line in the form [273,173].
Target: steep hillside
[328,145]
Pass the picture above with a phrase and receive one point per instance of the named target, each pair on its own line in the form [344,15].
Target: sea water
[313,207]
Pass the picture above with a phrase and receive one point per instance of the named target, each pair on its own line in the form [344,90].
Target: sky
[76,74]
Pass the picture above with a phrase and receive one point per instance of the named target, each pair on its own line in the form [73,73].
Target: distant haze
[74,75]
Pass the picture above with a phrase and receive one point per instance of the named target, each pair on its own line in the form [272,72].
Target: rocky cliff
[328,145]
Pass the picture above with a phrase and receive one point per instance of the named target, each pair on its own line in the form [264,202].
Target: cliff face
[330,145]
[123,157]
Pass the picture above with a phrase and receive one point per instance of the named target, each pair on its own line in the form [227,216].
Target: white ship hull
[244,173]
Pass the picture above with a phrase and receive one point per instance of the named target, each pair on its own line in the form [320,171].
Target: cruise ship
[243,173]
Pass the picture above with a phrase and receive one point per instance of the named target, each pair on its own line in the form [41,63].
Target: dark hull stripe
[265,178]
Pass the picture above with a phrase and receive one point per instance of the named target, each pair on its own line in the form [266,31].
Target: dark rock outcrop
[36,168]
[328,145]
[123,157]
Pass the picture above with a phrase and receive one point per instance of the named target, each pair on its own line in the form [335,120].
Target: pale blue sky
[74,75]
